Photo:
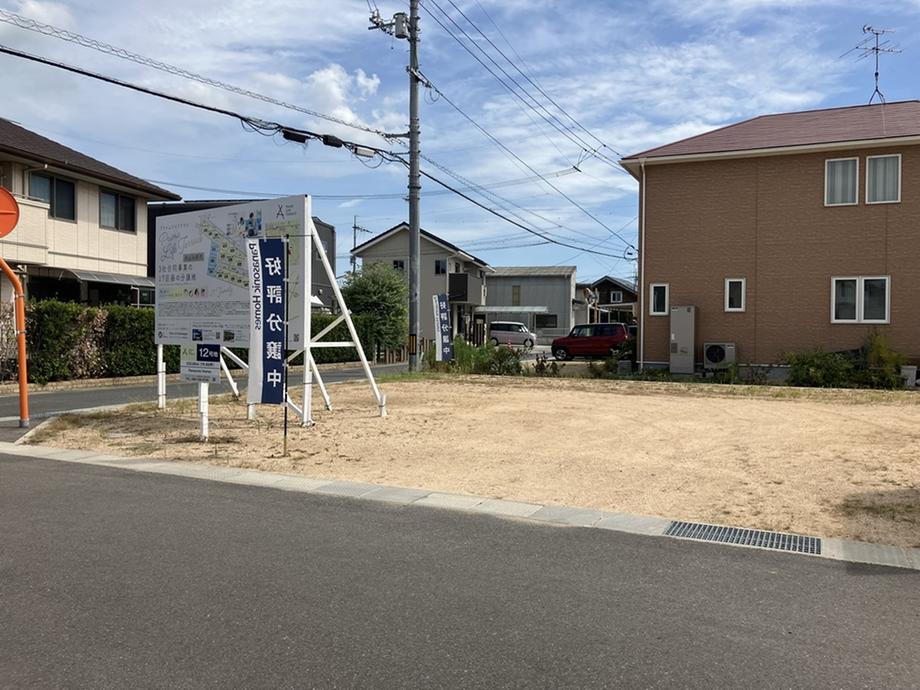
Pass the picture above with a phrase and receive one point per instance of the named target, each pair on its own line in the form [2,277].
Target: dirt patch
[834,463]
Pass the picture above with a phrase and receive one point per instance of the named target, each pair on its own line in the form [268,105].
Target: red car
[590,340]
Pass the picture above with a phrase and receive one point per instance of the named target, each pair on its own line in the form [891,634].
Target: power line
[504,203]
[86,42]
[525,75]
[548,117]
[349,197]
[507,219]
[269,128]
[527,165]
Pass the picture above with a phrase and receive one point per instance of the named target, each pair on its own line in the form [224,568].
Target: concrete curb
[833,549]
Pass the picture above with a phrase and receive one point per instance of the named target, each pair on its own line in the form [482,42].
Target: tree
[380,291]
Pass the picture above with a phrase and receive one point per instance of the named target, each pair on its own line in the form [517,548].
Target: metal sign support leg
[161,379]
[203,411]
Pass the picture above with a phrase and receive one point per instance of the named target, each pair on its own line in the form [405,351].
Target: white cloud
[53,13]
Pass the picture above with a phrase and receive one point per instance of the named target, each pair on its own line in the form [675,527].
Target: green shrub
[482,359]
[130,349]
[53,331]
[881,365]
[874,365]
[818,369]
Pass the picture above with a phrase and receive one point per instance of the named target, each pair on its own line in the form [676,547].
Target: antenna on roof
[873,45]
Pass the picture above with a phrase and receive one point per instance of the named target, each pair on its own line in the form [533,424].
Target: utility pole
[407,27]
[355,229]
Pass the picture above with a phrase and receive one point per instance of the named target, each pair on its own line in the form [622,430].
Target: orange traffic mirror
[9,212]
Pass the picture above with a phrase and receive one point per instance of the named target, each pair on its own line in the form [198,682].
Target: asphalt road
[48,403]
[111,578]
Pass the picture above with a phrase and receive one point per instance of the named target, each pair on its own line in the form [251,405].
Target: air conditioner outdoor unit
[718,355]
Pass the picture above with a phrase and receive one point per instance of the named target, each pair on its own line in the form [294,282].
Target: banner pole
[284,339]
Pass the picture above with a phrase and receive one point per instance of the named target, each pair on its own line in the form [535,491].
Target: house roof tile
[805,128]
[534,270]
[19,141]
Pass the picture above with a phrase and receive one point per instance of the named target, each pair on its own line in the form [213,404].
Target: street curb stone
[560,516]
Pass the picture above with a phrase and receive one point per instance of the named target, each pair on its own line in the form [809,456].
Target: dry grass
[835,463]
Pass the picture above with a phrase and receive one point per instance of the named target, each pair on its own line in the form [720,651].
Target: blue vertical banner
[444,346]
[267,297]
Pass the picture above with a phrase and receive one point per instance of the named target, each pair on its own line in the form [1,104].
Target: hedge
[71,341]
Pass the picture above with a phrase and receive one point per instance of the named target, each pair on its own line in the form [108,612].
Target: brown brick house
[787,232]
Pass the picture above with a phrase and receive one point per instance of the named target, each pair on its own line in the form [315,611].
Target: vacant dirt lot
[834,463]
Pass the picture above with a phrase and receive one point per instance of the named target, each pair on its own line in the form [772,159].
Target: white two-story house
[82,233]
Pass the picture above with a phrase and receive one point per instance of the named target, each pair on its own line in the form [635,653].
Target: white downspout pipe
[642,295]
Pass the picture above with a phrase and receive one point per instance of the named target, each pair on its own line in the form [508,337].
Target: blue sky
[635,74]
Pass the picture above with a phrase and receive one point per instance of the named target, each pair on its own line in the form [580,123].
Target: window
[546,321]
[883,179]
[60,195]
[616,296]
[658,299]
[840,180]
[582,332]
[860,299]
[734,294]
[116,211]
[515,295]
[440,266]
[399,265]
[457,267]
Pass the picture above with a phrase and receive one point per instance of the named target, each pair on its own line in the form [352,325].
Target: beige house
[786,232]
[82,234]
[444,268]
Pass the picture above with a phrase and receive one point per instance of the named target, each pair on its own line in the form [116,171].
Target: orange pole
[20,343]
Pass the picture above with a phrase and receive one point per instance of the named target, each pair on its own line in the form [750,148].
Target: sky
[633,74]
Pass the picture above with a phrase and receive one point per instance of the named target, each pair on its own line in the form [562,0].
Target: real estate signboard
[202,279]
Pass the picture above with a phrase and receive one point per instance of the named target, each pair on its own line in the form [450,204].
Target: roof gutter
[634,165]
[641,295]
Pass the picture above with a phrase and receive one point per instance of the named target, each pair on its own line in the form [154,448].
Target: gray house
[540,297]
[444,268]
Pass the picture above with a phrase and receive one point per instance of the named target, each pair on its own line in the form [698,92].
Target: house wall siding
[395,248]
[80,244]
[553,292]
[764,219]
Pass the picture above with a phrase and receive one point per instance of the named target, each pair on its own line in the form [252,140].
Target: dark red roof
[809,127]
[21,142]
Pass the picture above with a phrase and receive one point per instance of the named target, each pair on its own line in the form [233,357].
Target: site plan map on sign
[202,279]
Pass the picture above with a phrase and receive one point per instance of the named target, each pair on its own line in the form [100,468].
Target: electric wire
[517,158]
[72,37]
[270,129]
[546,115]
[535,84]
[394,196]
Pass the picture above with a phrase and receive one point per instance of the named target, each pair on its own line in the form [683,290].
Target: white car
[511,333]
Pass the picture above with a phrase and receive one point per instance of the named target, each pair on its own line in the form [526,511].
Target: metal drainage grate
[745,537]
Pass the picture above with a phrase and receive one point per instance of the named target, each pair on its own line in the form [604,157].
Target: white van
[511,333]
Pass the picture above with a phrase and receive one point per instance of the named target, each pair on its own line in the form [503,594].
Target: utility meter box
[683,337]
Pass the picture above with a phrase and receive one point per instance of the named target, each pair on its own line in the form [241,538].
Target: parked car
[590,340]
[511,333]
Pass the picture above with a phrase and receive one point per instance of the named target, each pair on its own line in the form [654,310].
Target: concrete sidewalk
[834,549]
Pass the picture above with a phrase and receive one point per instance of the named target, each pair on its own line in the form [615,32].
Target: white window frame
[743,306]
[651,299]
[616,297]
[883,155]
[855,201]
[860,299]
